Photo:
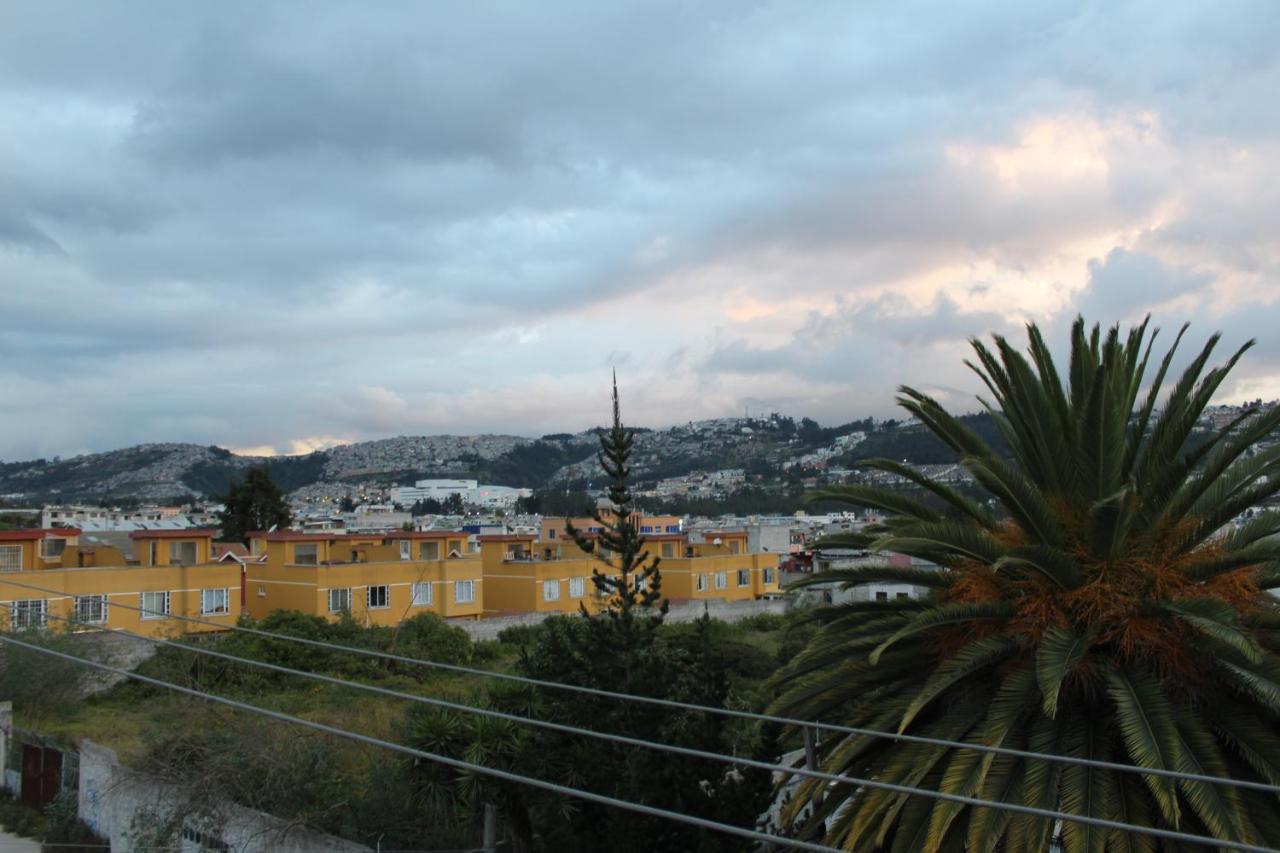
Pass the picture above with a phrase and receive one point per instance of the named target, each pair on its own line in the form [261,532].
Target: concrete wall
[728,611]
[116,801]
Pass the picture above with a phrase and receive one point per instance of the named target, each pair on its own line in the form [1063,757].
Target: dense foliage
[1107,608]
[255,503]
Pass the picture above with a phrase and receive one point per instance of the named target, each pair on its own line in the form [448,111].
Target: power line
[652,811]
[688,706]
[456,763]
[515,718]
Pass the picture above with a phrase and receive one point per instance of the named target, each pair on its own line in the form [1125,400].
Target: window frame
[406,549]
[470,586]
[386,597]
[423,550]
[14,565]
[100,600]
[226,601]
[315,555]
[744,573]
[580,585]
[551,590]
[179,546]
[722,580]
[49,540]
[342,591]
[701,582]
[416,600]
[164,610]
[22,611]
[768,575]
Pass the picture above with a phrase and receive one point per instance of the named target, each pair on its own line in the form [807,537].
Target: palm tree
[1103,603]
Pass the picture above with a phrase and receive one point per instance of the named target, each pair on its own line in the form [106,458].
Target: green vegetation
[622,648]
[363,793]
[1102,614]
[256,503]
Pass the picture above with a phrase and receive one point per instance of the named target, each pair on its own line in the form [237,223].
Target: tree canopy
[1103,604]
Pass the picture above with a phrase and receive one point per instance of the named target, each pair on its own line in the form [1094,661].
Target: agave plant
[1103,601]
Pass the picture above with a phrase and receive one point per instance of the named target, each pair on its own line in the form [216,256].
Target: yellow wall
[519,586]
[88,556]
[553,529]
[33,548]
[680,577]
[142,549]
[274,586]
[124,586]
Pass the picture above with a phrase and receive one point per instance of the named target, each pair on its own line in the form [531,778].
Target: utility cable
[688,706]
[458,764]
[679,750]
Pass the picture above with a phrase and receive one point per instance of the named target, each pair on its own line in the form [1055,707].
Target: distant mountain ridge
[176,471]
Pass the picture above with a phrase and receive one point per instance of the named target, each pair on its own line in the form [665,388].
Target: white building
[471,492]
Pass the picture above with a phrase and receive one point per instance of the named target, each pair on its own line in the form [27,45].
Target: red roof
[507,537]
[424,534]
[189,533]
[37,533]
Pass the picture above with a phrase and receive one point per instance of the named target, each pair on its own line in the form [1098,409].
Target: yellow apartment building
[48,576]
[552,530]
[379,579]
[522,575]
[526,575]
[173,547]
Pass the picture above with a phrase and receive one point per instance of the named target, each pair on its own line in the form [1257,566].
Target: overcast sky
[281,226]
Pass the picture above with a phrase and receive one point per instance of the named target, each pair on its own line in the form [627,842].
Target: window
[406,549]
[306,555]
[262,591]
[646,528]
[31,613]
[182,553]
[722,580]
[464,592]
[204,841]
[640,582]
[668,550]
[551,590]
[11,558]
[51,548]
[340,600]
[903,596]
[744,577]
[153,552]
[701,581]
[768,576]
[91,608]
[377,597]
[673,528]
[882,596]
[155,605]
[577,587]
[551,533]
[214,602]
[735,547]
[422,594]
[428,550]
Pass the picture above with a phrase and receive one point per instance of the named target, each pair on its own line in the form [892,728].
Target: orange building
[553,529]
[48,577]
[526,575]
[379,579]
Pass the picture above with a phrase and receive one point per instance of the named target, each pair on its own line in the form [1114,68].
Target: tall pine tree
[634,580]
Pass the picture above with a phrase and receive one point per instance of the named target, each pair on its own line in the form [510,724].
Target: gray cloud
[261,209]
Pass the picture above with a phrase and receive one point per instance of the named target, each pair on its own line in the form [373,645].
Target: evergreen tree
[255,503]
[634,580]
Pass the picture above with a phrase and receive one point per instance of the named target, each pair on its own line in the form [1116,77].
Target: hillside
[153,472]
